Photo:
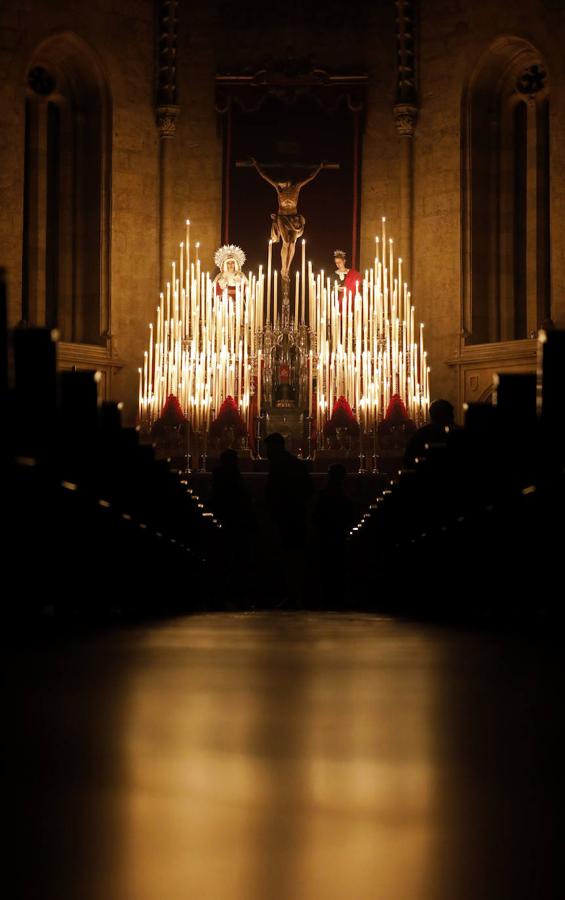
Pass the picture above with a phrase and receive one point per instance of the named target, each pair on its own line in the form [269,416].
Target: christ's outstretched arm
[312,176]
[263,175]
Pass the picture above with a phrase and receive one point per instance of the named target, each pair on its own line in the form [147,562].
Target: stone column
[532,84]
[405,117]
[167,112]
[532,228]
[42,85]
[166,123]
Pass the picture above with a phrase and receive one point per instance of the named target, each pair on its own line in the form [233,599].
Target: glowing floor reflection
[288,756]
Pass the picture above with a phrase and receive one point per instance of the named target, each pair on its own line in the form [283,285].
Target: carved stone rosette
[406,105]
[167,109]
[532,81]
[167,120]
[405,117]
[41,81]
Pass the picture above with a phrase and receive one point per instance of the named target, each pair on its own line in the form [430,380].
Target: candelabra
[207,345]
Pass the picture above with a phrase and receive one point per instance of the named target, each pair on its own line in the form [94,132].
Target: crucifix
[287,225]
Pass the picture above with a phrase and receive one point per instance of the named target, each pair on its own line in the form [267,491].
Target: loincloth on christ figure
[287,228]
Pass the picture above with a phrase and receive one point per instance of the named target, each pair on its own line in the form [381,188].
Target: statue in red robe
[346,278]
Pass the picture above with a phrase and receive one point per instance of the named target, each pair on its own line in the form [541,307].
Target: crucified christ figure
[287,224]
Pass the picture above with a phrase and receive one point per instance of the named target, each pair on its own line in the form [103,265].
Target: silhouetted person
[333,520]
[229,499]
[435,435]
[287,495]
[231,503]
[334,510]
[288,491]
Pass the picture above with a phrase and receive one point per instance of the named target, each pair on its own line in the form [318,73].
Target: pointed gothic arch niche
[65,266]
[505,202]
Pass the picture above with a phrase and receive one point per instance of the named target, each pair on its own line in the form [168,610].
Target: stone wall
[453,34]
[121,37]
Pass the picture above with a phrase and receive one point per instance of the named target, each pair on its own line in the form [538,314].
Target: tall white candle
[187,254]
[181,267]
[310,385]
[269,260]
[310,294]
[140,398]
[303,281]
[259,379]
[421,378]
[401,309]
[150,357]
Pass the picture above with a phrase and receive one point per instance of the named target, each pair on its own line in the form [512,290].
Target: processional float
[250,344]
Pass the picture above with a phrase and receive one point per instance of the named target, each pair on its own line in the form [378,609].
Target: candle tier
[362,344]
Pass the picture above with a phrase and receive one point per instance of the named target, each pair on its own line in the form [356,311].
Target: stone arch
[505,193]
[67,178]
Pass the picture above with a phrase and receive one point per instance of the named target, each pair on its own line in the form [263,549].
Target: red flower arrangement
[342,417]
[228,417]
[397,416]
[172,414]
[171,417]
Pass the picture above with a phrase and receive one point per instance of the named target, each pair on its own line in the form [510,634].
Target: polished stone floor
[285,755]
